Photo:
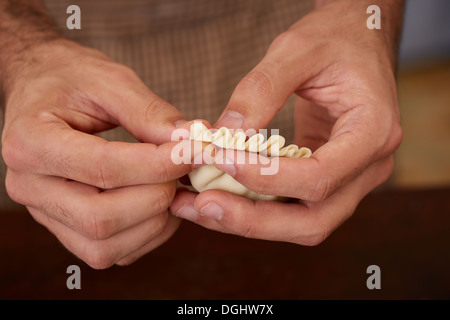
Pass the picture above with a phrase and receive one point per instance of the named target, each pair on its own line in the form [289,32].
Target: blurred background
[423,160]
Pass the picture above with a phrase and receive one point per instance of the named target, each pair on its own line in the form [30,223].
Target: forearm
[391,14]
[23,23]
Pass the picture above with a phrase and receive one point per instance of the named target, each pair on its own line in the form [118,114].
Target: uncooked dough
[209,177]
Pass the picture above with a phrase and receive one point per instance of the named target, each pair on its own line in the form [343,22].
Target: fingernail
[187,212]
[198,160]
[227,165]
[180,123]
[231,119]
[212,210]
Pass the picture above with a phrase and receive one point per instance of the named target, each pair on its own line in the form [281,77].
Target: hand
[105,201]
[346,112]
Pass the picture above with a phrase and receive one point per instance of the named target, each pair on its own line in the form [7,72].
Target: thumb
[262,92]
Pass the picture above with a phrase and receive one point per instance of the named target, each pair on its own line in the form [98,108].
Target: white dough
[209,177]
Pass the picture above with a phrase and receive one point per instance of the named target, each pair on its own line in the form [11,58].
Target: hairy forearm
[23,23]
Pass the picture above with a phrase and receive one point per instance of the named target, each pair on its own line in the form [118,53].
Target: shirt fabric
[191,53]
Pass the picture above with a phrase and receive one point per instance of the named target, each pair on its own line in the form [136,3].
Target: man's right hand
[105,201]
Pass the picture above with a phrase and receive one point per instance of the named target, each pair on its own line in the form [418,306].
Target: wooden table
[405,233]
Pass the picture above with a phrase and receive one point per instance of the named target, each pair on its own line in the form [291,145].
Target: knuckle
[389,166]
[97,177]
[98,255]
[258,81]
[162,175]
[250,231]
[165,196]
[282,40]
[396,137]
[155,107]
[263,184]
[14,190]
[315,237]
[126,261]
[100,175]
[321,189]
[120,73]
[11,149]
[96,226]
[386,171]
[160,222]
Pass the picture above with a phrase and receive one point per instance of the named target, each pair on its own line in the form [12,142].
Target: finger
[101,254]
[264,90]
[184,199]
[304,223]
[170,228]
[281,176]
[183,206]
[225,212]
[53,148]
[313,124]
[352,148]
[134,106]
[86,209]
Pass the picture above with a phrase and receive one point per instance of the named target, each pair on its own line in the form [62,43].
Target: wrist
[353,14]
[28,62]
[23,25]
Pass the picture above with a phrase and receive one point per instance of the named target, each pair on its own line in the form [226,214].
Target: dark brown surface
[406,233]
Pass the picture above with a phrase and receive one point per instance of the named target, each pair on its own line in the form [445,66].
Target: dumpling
[210,177]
